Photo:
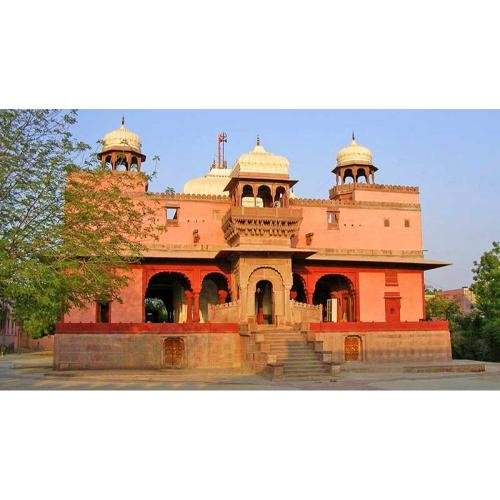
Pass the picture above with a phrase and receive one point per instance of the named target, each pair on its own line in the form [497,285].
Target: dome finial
[123,120]
[258,140]
[353,138]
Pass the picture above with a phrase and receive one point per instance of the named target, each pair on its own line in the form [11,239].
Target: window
[332,219]
[216,214]
[407,222]
[172,215]
[387,222]
[391,278]
[103,312]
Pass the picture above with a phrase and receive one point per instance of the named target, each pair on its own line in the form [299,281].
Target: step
[299,369]
[308,378]
[297,359]
[300,362]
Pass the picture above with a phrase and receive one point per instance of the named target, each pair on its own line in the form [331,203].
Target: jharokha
[247,275]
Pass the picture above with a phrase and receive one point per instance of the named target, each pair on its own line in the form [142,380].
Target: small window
[103,312]
[332,219]
[172,215]
[387,222]
[216,214]
[407,222]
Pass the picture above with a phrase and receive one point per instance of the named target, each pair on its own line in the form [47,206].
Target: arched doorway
[264,303]
[264,194]
[168,298]
[336,295]
[214,290]
[298,291]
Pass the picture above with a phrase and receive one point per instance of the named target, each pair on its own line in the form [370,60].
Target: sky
[452,155]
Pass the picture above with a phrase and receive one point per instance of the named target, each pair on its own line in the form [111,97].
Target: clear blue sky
[453,156]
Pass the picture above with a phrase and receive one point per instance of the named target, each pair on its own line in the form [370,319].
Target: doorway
[173,352]
[264,302]
[352,348]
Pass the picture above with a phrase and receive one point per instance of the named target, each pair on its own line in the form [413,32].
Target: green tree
[477,335]
[439,307]
[486,283]
[68,228]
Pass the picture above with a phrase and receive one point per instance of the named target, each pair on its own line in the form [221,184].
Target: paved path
[33,371]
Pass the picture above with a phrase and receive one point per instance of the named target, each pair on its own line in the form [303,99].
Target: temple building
[247,275]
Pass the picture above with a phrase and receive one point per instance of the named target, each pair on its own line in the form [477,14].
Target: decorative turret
[260,179]
[121,148]
[355,162]
[259,188]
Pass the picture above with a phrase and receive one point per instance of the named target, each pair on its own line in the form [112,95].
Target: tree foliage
[477,335]
[68,228]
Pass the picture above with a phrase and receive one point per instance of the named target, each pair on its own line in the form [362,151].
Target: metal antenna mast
[221,139]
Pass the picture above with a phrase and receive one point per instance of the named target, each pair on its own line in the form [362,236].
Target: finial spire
[258,140]
[123,120]
[353,138]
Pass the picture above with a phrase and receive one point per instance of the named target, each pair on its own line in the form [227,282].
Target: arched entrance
[336,295]
[214,290]
[264,303]
[298,291]
[275,295]
[168,298]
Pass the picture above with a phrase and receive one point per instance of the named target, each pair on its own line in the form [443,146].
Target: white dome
[212,184]
[354,154]
[121,137]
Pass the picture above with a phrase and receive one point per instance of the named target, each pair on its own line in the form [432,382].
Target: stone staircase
[296,355]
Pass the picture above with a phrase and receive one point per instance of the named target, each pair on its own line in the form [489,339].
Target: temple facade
[247,275]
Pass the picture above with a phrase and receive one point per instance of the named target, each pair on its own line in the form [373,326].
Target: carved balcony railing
[261,226]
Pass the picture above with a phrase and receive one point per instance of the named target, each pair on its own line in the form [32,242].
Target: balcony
[261,226]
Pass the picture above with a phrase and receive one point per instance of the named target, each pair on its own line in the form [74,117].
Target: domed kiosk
[121,149]
[355,162]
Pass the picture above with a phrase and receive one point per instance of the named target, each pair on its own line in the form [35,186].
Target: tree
[486,283]
[439,307]
[477,335]
[67,232]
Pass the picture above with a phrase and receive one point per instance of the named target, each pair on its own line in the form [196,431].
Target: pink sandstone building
[247,275]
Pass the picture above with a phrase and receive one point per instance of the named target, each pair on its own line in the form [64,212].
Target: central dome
[354,154]
[211,184]
[121,138]
[260,161]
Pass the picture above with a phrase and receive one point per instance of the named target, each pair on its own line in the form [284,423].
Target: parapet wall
[146,349]
[384,343]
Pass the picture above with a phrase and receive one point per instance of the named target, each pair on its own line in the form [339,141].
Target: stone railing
[305,313]
[228,312]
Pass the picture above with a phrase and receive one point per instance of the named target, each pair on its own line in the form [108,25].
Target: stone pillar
[196,307]
[309,297]
[189,301]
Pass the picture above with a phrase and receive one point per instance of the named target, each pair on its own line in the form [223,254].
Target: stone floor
[33,371]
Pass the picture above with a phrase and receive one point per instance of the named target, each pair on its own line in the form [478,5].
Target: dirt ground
[33,371]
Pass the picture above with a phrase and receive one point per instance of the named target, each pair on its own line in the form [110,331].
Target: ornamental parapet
[190,197]
[347,188]
[335,204]
[260,226]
